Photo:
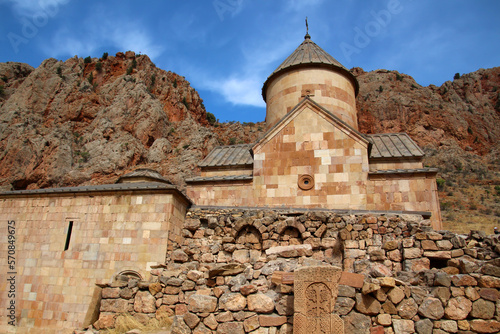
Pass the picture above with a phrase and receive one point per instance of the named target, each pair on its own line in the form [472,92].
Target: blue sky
[227,48]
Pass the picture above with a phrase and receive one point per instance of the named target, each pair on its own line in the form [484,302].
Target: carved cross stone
[315,292]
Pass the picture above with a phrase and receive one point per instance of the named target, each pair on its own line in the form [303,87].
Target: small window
[68,235]
[306,182]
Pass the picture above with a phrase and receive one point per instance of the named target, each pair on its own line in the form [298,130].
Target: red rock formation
[462,110]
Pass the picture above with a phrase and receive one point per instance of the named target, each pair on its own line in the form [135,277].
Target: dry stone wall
[232,272]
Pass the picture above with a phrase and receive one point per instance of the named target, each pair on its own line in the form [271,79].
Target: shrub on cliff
[211,118]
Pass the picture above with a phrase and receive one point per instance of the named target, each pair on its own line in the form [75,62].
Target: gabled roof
[393,145]
[307,100]
[232,155]
[387,145]
[309,54]
[116,187]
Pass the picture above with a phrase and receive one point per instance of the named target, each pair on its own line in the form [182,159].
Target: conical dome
[310,54]
[311,71]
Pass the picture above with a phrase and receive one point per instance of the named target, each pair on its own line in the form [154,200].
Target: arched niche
[128,274]
[249,236]
[290,235]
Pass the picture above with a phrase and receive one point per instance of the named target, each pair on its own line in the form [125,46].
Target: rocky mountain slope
[457,125]
[87,121]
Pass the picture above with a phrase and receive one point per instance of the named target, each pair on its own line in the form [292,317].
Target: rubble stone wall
[233,273]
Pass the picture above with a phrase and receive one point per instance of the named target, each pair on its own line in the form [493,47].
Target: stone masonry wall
[57,271]
[233,273]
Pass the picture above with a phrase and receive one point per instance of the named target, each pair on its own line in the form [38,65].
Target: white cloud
[134,38]
[242,91]
[244,87]
[36,7]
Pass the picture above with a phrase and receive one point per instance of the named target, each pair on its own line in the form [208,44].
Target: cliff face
[87,121]
[456,124]
[462,110]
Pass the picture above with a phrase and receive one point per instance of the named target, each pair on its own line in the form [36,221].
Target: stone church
[69,241]
[312,155]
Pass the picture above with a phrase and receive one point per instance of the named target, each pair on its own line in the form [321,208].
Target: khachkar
[315,292]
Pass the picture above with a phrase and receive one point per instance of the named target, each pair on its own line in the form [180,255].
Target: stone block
[396,295]
[260,303]
[412,253]
[271,320]
[490,294]
[486,281]
[417,265]
[391,245]
[251,324]
[191,319]
[440,255]
[483,309]
[232,302]
[429,245]
[343,305]
[458,308]
[241,256]
[485,326]
[492,270]
[443,294]
[357,323]
[230,328]
[110,293]
[384,319]
[351,279]
[431,308]
[424,326]
[442,279]
[402,326]
[444,245]
[291,251]
[144,302]
[366,304]
[346,291]
[407,309]
[394,255]
[463,280]
[449,326]
[201,303]
[115,305]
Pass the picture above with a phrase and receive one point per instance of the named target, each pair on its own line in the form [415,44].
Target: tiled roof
[309,53]
[393,145]
[232,155]
[389,145]
[150,186]
[404,171]
[143,173]
[221,178]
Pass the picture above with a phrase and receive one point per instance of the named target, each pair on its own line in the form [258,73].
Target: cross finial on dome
[307,31]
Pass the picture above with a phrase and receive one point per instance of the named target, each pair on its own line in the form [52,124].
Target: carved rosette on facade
[315,291]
